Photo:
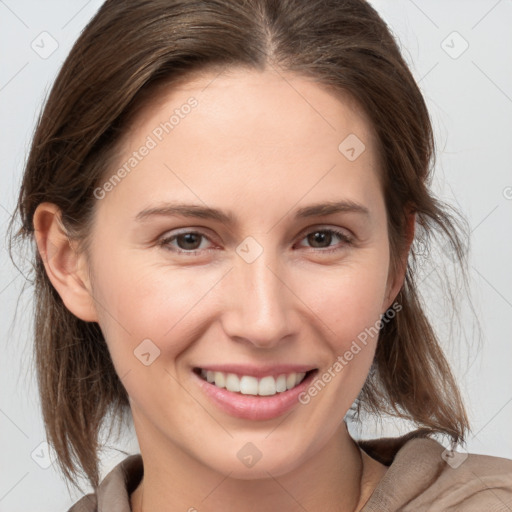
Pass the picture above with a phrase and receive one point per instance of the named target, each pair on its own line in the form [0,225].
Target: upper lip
[258,371]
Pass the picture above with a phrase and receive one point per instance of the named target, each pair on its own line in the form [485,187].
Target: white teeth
[281,383]
[232,382]
[220,380]
[248,385]
[267,386]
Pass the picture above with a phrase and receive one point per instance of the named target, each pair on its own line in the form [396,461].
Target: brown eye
[323,238]
[188,242]
[320,237]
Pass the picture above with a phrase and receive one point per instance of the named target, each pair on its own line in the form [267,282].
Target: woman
[190,163]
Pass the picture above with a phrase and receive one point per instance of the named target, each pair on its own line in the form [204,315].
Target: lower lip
[252,407]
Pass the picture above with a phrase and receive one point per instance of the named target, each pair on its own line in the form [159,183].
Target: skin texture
[261,145]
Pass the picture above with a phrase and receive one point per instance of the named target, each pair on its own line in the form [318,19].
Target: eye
[188,242]
[323,237]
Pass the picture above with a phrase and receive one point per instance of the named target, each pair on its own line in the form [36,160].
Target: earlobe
[396,282]
[66,269]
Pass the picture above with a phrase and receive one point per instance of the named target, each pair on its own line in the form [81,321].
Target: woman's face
[251,278]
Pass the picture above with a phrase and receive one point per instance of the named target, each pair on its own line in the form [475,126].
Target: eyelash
[346,239]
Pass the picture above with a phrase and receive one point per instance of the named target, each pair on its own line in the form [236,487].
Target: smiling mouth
[250,385]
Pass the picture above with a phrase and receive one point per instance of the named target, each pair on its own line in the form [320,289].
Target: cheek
[165,305]
[347,299]
[347,308]
[174,306]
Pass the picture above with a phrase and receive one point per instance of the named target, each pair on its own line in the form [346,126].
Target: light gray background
[470,98]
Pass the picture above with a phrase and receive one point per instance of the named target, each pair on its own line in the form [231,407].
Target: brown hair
[124,52]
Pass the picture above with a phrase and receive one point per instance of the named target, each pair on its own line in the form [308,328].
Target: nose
[261,305]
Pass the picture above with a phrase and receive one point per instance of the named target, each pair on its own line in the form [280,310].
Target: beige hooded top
[420,478]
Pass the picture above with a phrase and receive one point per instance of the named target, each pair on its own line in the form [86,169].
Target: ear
[396,281]
[66,269]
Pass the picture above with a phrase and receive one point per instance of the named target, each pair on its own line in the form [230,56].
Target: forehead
[284,104]
[249,133]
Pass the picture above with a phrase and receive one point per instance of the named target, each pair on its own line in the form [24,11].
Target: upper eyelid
[313,229]
[300,236]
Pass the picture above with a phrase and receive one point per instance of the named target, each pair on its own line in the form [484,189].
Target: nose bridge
[261,304]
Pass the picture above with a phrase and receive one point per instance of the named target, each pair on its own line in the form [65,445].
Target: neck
[336,478]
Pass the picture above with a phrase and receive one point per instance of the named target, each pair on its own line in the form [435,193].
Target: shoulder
[472,482]
[423,475]
[87,503]
[114,490]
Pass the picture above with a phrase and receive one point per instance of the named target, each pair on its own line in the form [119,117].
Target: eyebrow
[227,217]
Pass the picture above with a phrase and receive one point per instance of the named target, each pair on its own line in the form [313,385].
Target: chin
[247,460]
[263,469]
